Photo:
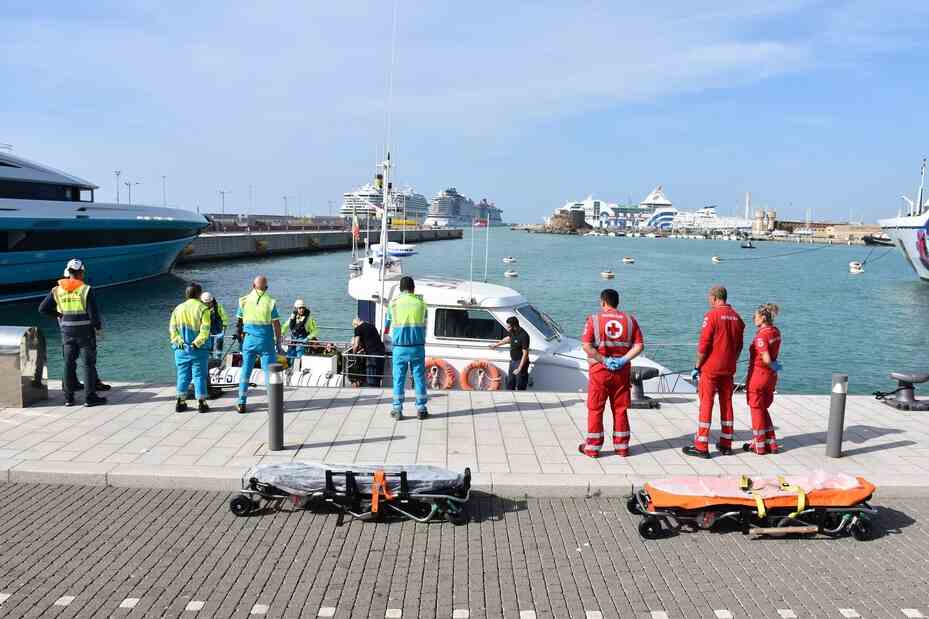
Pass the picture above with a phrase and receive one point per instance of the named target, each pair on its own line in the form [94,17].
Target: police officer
[73,303]
[302,326]
[611,339]
[717,355]
[407,316]
[189,330]
[219,321]
[259,329]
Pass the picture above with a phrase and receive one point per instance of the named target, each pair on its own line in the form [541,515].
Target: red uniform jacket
[613,333]
[768,339]
[720,341]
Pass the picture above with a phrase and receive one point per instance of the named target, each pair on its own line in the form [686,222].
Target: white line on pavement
[461,613]
[259,609]
[194,606]
[326,611]
[912,613]
[129,603]
[64,600]
[659,614]
[593,614]
[786,613]
[849,612]
[722,614]
[393,613]
[527,614]
[4,597]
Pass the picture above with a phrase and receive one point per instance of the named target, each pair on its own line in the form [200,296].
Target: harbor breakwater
[221,246]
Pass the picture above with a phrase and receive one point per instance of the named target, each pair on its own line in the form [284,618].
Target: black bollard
[276,407]
[836,416]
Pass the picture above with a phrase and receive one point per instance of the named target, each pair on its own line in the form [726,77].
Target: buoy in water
[511,273]
[717,259]
[628,260]
[607,274]
[855,267]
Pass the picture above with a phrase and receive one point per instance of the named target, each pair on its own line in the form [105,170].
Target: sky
[807,105]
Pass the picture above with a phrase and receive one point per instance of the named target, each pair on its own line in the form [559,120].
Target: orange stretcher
[833,504]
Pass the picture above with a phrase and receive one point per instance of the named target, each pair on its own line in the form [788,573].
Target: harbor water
[832,321]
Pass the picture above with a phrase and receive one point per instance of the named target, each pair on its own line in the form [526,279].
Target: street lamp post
[129,186]
[117,173]
[222,198]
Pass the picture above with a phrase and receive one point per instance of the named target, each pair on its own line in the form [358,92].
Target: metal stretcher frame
[833,521]
[356,502]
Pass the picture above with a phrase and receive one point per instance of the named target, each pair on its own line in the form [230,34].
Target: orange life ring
[493,375]
[439,373]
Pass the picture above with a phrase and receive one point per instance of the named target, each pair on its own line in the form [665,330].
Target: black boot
[69,399]
[102,386]
[202,407]
[94,400]
[180,406]
[690,450]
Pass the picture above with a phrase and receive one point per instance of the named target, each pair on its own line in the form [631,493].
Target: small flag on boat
[356,229]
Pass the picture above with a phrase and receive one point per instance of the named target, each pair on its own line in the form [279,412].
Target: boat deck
[515,443]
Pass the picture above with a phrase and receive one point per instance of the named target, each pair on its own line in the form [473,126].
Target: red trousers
[760,396]
[603,385]
[707,388]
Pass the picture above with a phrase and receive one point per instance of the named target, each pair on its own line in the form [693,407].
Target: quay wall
[222,246]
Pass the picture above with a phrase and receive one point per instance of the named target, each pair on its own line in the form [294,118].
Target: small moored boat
[628,260]
[717,259]
[855,267]
[509,260]
[511,273]
[607,274]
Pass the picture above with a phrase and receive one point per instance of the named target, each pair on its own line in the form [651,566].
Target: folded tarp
[304,478]
[821,489]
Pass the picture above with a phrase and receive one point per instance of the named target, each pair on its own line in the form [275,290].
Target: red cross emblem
[613,329]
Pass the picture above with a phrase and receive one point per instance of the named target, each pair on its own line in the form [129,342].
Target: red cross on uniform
[613,329]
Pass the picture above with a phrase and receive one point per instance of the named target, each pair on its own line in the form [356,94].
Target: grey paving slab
[525,442]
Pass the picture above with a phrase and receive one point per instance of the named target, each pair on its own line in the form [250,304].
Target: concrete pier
[516,443]
[220,246]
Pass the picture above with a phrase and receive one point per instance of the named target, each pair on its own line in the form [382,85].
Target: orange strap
[378,488]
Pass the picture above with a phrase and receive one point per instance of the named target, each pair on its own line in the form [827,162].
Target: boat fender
[484,368]
[440,373]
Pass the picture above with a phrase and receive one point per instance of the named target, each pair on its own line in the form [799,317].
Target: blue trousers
[413,357]
[191,366]
[252,348]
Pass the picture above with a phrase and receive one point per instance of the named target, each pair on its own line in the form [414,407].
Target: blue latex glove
[776,366]
[695,375]
[614,364]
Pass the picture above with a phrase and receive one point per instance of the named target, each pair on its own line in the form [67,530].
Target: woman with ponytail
[763,367]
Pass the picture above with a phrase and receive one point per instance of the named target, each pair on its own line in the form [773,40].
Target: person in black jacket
[73,303]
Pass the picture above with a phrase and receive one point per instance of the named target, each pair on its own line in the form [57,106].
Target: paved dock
[516,443]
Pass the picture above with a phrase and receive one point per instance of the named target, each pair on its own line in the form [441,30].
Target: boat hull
[31,274]
[910,235]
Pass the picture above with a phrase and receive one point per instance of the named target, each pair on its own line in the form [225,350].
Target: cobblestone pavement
[74,551]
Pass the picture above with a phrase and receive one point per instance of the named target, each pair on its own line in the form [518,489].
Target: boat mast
[386,197]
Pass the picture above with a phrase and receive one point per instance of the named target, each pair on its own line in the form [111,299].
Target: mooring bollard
[276,407]
[836,416]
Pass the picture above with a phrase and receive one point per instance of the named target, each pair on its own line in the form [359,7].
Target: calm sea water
[865,325]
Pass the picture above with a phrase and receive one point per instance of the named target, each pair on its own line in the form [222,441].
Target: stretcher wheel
[650,528]
[457,514]
[632,505]
[863,529]
[241,505]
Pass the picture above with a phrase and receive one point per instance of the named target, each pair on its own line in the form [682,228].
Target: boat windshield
[540,321]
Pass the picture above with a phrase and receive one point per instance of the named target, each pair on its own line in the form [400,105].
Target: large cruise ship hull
[910,235]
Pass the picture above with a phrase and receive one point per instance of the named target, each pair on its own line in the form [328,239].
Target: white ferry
[909,231]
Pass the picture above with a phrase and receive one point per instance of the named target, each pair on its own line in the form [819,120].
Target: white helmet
[299,303]
[206,297]
[74,264]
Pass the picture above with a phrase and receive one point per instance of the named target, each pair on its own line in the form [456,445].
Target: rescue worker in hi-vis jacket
[611,339]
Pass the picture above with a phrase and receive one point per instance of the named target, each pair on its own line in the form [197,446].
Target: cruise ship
[450,209]
[366,201]
[48,217]
[909,231]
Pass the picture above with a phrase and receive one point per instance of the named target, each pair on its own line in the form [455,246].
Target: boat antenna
[922,184]
[486,242]
[471,275]
[386,200]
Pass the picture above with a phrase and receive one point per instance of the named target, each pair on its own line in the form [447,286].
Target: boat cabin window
[22,190]
[535,318]
[468,324]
